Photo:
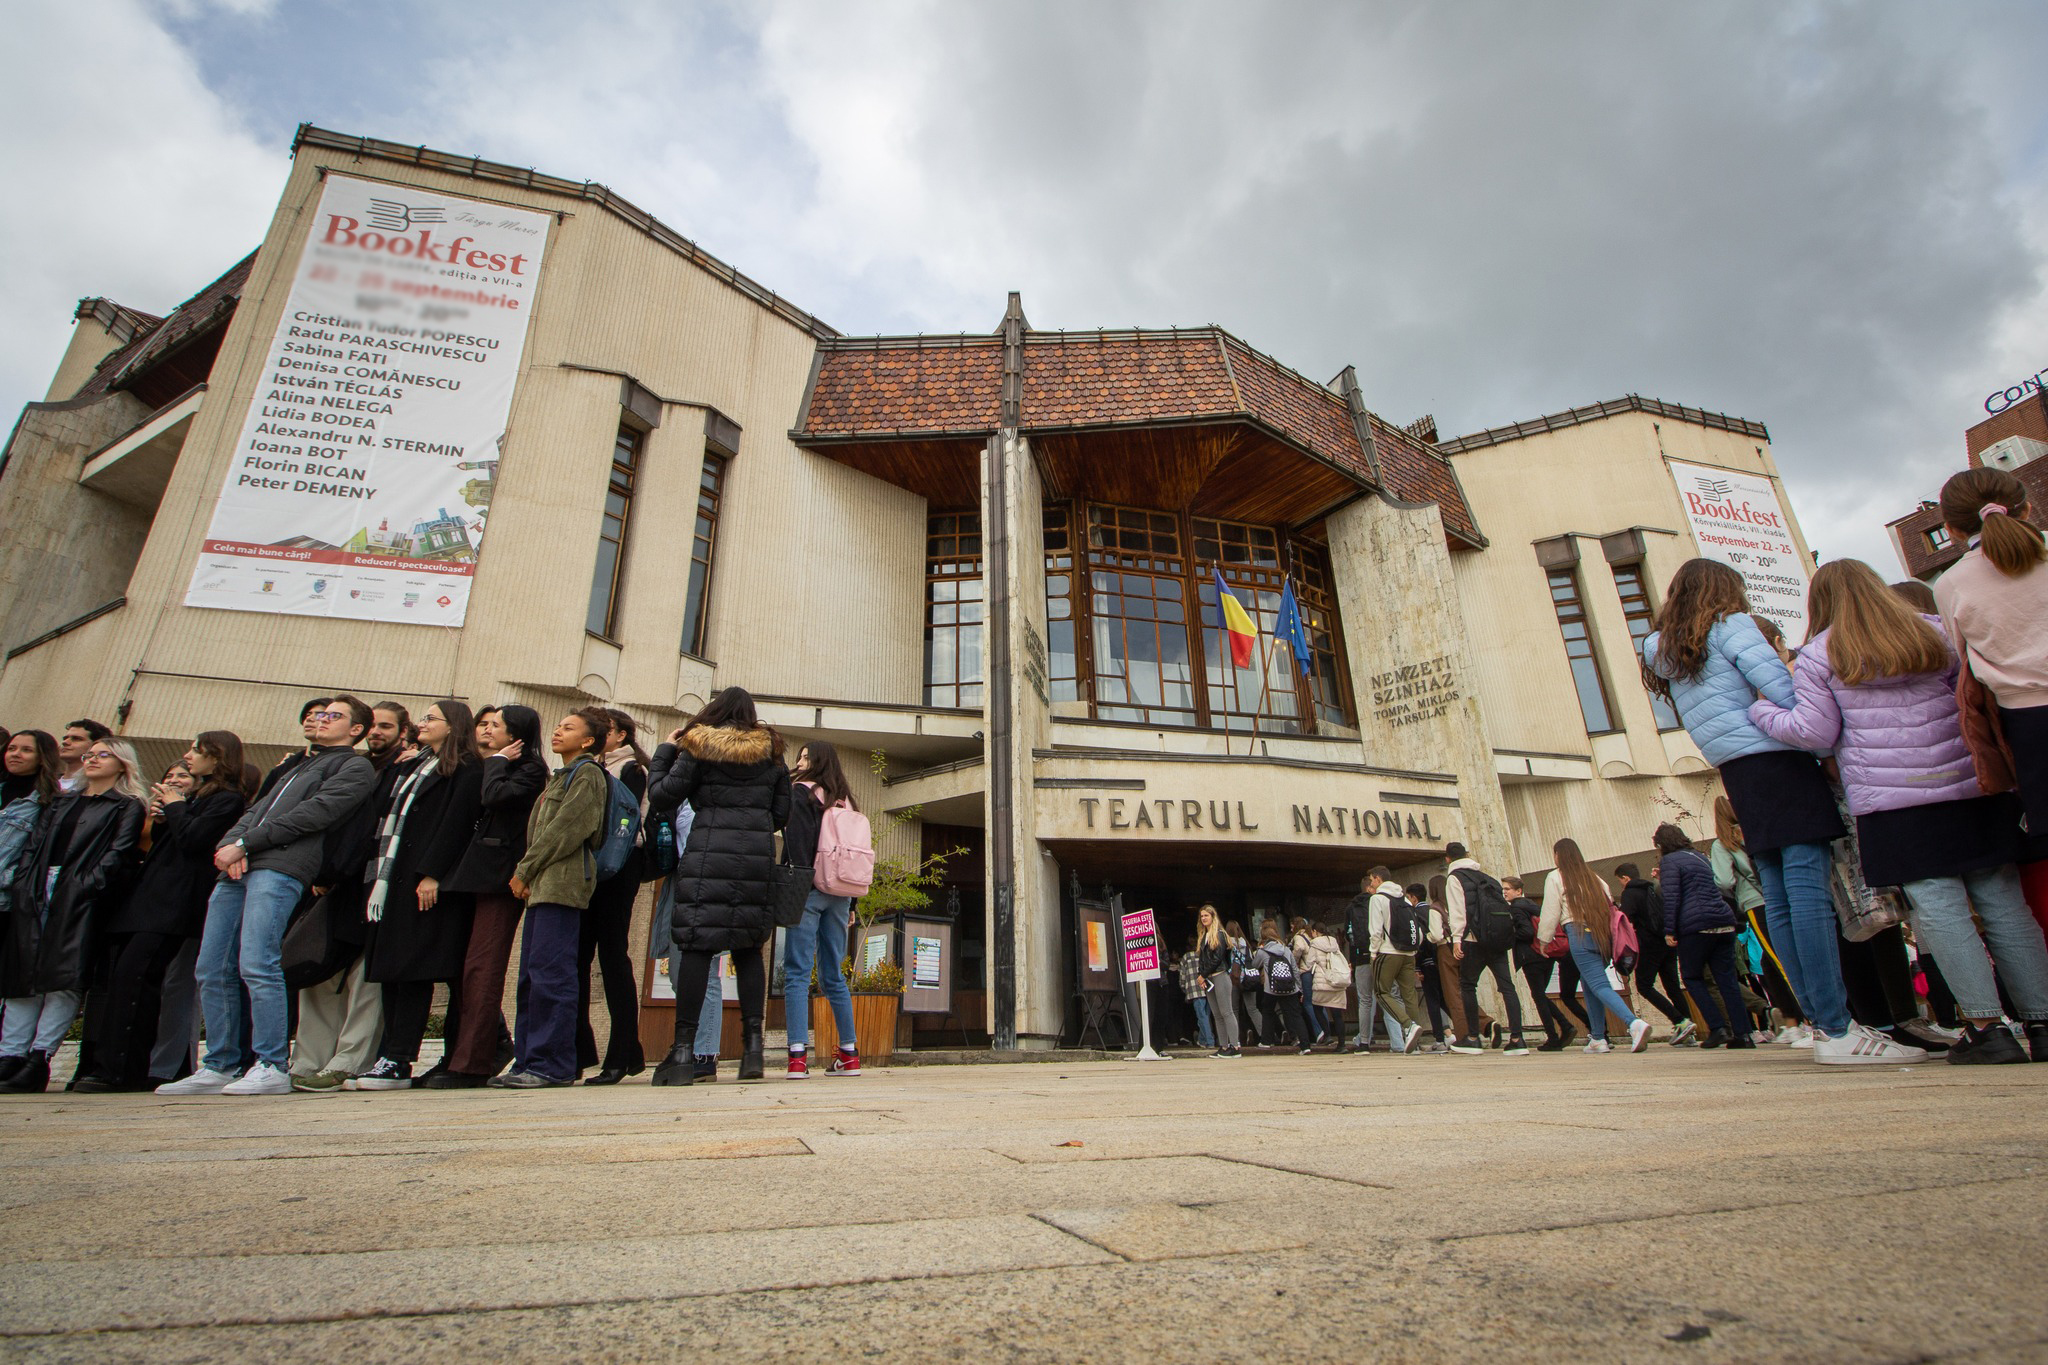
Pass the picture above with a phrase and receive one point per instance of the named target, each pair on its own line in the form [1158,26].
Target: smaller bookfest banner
[1738,520]
[363,476]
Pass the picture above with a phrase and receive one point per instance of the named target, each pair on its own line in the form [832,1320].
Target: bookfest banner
[1738,520]
[362,480]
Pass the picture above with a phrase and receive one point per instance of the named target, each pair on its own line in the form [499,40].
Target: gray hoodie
[287,830]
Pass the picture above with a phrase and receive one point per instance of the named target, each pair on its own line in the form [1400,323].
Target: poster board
[1738,519]
[1095,948]
[361,480]
[928,966]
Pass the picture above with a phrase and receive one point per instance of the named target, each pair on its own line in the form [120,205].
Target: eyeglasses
[327,715]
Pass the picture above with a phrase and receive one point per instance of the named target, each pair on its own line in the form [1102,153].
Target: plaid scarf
[388,831]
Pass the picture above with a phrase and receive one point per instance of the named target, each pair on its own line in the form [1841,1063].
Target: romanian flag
[1234,621]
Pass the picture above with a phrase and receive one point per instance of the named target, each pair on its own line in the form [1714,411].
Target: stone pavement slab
[1676,1204]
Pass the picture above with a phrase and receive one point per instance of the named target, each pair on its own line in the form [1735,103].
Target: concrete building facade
[988,561]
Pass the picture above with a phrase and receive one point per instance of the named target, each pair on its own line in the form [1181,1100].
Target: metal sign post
[1141,964]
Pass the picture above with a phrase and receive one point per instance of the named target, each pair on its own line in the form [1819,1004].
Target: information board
[1737,519]
[1141,946]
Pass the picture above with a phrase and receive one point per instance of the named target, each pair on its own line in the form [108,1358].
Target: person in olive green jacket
[555,879]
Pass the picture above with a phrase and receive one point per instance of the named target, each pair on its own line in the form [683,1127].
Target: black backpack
[1279,974]
[1487,916]
[1407,925]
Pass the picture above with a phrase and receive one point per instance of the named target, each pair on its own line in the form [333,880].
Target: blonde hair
[1211,937]
[129,783]
[1872,633]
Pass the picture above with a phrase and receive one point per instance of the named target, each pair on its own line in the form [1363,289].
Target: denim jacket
[17,828]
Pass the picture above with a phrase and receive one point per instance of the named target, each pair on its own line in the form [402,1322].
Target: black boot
[33,1077]
[2037,1039]
[707,1068]
[680,1066]
[10,1067]
[750,1050]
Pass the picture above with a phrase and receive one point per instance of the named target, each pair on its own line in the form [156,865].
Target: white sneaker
[1760,1037]
[204,1081]
[1686,1028]
[1596,1045]
[1414,1039]
[261,1079]
[1638,1035]
[1799,1035]
[1862,1046]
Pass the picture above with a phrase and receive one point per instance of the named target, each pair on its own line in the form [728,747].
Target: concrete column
[1411,666]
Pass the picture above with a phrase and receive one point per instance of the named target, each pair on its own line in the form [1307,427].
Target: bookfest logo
[391,233]
[1716,498]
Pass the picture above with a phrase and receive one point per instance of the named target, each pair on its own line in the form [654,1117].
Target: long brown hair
[1585,895]
[818,762]
[1872,633]
[1701,593]
[1727,828]
[460,745]
[2013,545]
[224,747]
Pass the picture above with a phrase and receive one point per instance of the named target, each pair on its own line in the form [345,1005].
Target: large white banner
[1738,519]
[363,476]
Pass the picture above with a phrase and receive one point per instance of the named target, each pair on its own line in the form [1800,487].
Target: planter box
[874,1026]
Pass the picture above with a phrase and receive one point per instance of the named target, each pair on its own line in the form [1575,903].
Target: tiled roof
[1613,407]
[210,308]
[882,387]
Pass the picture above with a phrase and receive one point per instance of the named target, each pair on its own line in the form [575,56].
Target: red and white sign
[1141,946]
[363,477]
[1738,519]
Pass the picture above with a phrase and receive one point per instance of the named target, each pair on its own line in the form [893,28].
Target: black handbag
[790,888]
[312,952]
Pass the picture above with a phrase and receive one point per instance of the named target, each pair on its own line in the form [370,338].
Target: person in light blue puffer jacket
[1739,666]
[1708,655]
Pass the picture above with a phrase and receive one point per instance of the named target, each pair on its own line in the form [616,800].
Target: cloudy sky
[1829,217]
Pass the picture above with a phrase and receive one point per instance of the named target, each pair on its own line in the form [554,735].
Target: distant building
[2013,440]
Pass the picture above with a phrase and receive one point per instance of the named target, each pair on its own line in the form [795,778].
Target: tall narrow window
[1635,604]
[953,609]
[1578,648]
[603,614]
[1062,664]
[711,487]
[1138,606]
[1328,680]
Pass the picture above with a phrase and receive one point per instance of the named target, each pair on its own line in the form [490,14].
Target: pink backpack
[845,865]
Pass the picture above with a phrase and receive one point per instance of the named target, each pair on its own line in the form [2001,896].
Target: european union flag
[1288,627]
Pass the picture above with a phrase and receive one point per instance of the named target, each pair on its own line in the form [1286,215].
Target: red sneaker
[845,1064]
[799,1067]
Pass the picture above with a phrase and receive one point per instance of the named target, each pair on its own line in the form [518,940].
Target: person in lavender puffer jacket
[1876,685]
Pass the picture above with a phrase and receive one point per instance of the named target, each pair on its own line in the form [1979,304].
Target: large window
[1642,621]
[1578,648]
[953,610]
[603,614]
[711,487]
[1261,694]
[1063,664]
[1138,604]
[1315,591]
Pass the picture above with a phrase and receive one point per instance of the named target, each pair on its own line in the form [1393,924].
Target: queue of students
[313,910]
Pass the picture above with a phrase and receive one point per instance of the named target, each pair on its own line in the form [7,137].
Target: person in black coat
[607,924]
[1656,964]
[196,804]
[418,934]
[729,767]
[514,774]
[88,838]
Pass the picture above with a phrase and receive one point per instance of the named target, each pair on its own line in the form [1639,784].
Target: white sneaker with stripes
[1862,1046]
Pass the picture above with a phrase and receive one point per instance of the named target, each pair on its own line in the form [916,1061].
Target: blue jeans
[1799,912]
[1941,923]
[1593,981]
[242,949]
[819,937]
[38,1023]
[1202,1029]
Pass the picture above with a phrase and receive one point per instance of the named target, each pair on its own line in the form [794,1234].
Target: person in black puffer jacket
[1701,926]
[729,767]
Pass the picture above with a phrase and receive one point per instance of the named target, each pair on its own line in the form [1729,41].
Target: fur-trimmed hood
[722,744]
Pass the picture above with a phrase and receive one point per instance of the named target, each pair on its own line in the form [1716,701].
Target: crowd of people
[307,914]
[1884,823]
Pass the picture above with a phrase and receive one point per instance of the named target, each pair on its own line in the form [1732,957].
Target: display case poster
[924,962]
[1141,946]
[874,950]
[1737,518]
[1098,945]
[361,481]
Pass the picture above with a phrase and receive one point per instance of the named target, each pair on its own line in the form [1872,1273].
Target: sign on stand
[1141,964]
